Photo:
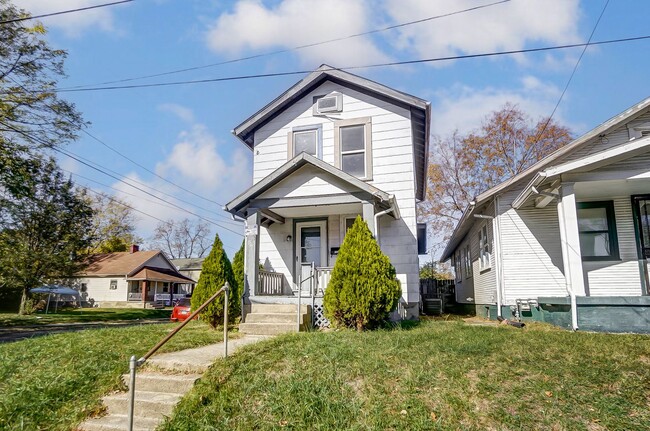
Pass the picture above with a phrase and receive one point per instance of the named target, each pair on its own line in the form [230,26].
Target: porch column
[570,240]
[144,293]
[251,256]
[369,216]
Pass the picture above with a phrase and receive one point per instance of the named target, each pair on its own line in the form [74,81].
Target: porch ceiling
[609,188]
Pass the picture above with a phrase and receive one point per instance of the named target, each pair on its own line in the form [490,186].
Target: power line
[369,66]
[296,48]
[120,180]
[65,12]
[148,170]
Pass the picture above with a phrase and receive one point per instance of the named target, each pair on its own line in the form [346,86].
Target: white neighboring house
[568,240]
[190,268]
[332,147]
[129,279]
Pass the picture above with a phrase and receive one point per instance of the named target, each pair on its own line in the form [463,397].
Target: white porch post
[251,257]
[369,216]
[570,243]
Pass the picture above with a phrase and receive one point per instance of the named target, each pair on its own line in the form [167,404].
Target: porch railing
[133,296]
[270,283]
[323,276]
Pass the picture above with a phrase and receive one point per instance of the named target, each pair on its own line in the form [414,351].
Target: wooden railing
[270,283]
[323,276]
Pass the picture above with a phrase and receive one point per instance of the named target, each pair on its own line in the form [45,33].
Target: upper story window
[307,139]
[597,230]
[353,147]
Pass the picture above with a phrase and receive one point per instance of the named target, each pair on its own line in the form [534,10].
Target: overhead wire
[45,15]
[368,66]
[296,48]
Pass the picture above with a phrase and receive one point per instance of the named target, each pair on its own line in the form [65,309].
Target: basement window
[597,229]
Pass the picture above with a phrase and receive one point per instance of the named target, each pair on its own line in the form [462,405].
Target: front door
[641,207]
[311,247]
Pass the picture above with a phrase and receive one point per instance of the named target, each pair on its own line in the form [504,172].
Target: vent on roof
[331,103]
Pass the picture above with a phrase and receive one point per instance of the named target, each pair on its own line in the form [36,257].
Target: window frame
[484,249]
[458,270]
[318,128]
[610,215]
[112,283]
[467,260]
[338,153]
[343,219]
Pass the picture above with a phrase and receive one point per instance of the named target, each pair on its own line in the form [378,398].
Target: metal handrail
[134,364]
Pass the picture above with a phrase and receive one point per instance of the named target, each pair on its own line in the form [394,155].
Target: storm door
[311,247]
[641,208]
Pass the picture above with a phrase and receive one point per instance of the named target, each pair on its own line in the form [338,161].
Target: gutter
[393,208]
[528,191]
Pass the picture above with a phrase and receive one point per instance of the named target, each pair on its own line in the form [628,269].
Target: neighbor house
[130,279]
[568,240]
[190,268]
[332,147]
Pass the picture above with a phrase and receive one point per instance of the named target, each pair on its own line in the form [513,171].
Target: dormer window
[353,147]
[305,139]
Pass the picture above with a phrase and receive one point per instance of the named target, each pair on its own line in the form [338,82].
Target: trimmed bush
[238,270]
[363,290]
[215,272]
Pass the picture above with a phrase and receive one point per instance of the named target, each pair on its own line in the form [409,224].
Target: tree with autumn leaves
[464,166]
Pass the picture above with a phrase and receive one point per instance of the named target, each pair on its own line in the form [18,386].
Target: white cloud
[253,26]
[181,112]
[507,26]
[72,24]
[463,107]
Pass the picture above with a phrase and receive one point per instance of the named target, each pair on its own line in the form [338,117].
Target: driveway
[15,333]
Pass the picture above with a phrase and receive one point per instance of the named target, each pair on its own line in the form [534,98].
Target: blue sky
[183,132]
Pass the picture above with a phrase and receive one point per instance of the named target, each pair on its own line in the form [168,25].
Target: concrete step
[119,422]
[158,382]
[267,328]
[279,308]
[276,318]
[147,404]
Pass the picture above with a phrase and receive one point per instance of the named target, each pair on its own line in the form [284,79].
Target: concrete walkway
[160,384]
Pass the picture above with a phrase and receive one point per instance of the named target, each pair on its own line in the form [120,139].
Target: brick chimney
[134,248]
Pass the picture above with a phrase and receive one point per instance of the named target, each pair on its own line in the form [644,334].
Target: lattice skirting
[319,319]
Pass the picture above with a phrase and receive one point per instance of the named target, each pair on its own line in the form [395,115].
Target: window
[113,285]
[484,247]
[346,223]
[467,260]
[307,139]
[84,287]
[353,147]
[597,229]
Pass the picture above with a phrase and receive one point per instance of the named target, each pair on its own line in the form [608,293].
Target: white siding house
[570,238]
[332,147]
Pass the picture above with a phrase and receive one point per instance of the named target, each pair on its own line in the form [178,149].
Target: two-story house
[332,147]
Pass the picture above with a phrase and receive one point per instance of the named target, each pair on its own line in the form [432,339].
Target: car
[181,310]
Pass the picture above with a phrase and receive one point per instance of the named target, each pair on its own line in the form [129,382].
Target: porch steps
[273,319]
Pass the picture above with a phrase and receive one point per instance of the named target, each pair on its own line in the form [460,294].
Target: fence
[437,296]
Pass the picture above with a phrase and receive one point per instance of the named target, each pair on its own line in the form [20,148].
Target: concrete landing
[160,384]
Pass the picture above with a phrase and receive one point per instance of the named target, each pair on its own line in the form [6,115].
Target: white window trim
[485,257]
[367,123]
[458,270]
[110,284]
[319,139]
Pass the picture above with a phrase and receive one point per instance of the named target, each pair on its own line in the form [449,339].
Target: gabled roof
[192,263]
[119,263]
[420,111]
[479,202]
[238,205]
[160,274]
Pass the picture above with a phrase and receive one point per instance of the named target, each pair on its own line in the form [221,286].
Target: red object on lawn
[181,310]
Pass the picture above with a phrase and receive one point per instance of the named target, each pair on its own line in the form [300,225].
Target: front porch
[153,287]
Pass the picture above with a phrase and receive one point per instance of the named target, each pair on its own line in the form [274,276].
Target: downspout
[379,214]
[498,255]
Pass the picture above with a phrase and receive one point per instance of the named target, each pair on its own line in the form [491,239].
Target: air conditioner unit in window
[331,103]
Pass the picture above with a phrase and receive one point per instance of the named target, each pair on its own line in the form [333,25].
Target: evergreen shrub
[215,272]
[363,289]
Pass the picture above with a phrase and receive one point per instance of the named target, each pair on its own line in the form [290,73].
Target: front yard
[53,382]
[80,315]
[436,376]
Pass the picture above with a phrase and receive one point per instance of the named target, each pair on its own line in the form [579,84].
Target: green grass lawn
[435,376]
[82,315]
[54,382]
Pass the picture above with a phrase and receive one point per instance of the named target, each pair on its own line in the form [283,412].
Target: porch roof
[240,205]
[159,274]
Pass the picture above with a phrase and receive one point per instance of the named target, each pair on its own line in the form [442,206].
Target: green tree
[43,232]
[363,289]
[215,272]
[113,225]
[435,270]
[238,270]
